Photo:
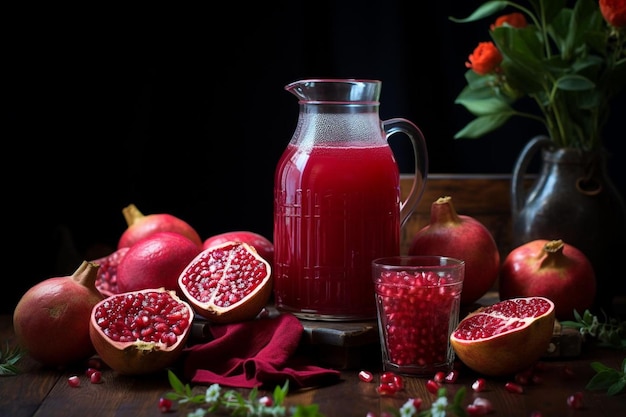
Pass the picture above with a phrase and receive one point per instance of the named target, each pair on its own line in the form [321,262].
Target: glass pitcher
[337,202]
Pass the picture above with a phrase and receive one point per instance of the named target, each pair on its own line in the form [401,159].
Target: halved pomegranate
[227,283]
[140,332]
[106,282]
[263,245]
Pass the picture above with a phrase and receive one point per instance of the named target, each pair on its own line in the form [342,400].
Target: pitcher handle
[518,193]
[420,156]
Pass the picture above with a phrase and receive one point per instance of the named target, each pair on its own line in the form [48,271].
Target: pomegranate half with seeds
[140,332]
[227,283]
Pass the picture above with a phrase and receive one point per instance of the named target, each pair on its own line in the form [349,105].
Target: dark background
[183,110]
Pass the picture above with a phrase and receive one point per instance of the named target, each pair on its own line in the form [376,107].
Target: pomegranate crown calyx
[552,252]
[443,211]
[131,214]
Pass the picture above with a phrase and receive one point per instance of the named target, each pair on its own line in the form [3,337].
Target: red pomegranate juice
[337,208]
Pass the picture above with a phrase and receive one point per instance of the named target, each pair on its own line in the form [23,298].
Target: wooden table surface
[37,391]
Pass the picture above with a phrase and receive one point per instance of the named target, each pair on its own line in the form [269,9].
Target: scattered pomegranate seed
[514,388]
[439,377]
[479,385]
[452,376]
[536,379]
[366,376]
[575,400]
[398,381]
[387,377]
[266,401]
[74,381]
[475,410]
[387,388]
[432,386]
[483,402]
[95,377]
[536,414]
[90,371]
[165,405]
[417,402]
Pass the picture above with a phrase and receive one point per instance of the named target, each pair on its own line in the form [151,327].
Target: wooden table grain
[41,392]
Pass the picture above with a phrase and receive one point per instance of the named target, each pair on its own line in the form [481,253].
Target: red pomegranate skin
[141,226]
[461,237]
[51,320]
[156,261]
[551,269]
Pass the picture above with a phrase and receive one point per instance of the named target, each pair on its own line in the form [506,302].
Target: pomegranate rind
[140,355]
[464,237]
[155,262]
[522,334]
[51,319]
[141,226]
[227,283]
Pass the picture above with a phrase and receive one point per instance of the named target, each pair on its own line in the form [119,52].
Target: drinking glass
[418,300]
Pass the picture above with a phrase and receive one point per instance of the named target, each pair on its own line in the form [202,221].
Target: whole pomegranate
[140,226]
[551,269]
[462,237]
[155,261]
[51,320]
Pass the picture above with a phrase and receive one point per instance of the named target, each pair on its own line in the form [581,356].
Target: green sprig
[610,333]
[215,400]
[607,378]
[8,358]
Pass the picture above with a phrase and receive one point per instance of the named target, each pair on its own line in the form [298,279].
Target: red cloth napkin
[255,353]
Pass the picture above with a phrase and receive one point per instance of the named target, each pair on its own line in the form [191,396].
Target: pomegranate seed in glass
[418,300]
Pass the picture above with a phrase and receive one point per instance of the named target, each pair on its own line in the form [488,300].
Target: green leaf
[617,387]
[603,380]
[484,10]
[484,107]
[600,367]
[175,383]
[574,83]
[8,358]
[482,125]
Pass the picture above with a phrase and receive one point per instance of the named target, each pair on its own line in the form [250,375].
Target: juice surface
[336,209]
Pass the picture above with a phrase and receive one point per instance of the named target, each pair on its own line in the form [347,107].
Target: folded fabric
[256,353]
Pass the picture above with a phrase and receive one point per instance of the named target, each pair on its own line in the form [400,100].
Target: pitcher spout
[330,90]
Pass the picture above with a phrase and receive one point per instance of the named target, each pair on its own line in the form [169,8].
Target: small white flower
[438,409]
[408,409]
[212,394]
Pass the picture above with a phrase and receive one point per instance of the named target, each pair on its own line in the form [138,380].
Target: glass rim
[426,261]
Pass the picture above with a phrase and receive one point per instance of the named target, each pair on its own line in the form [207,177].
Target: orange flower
[516,20]
[485,59]
[614,12]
